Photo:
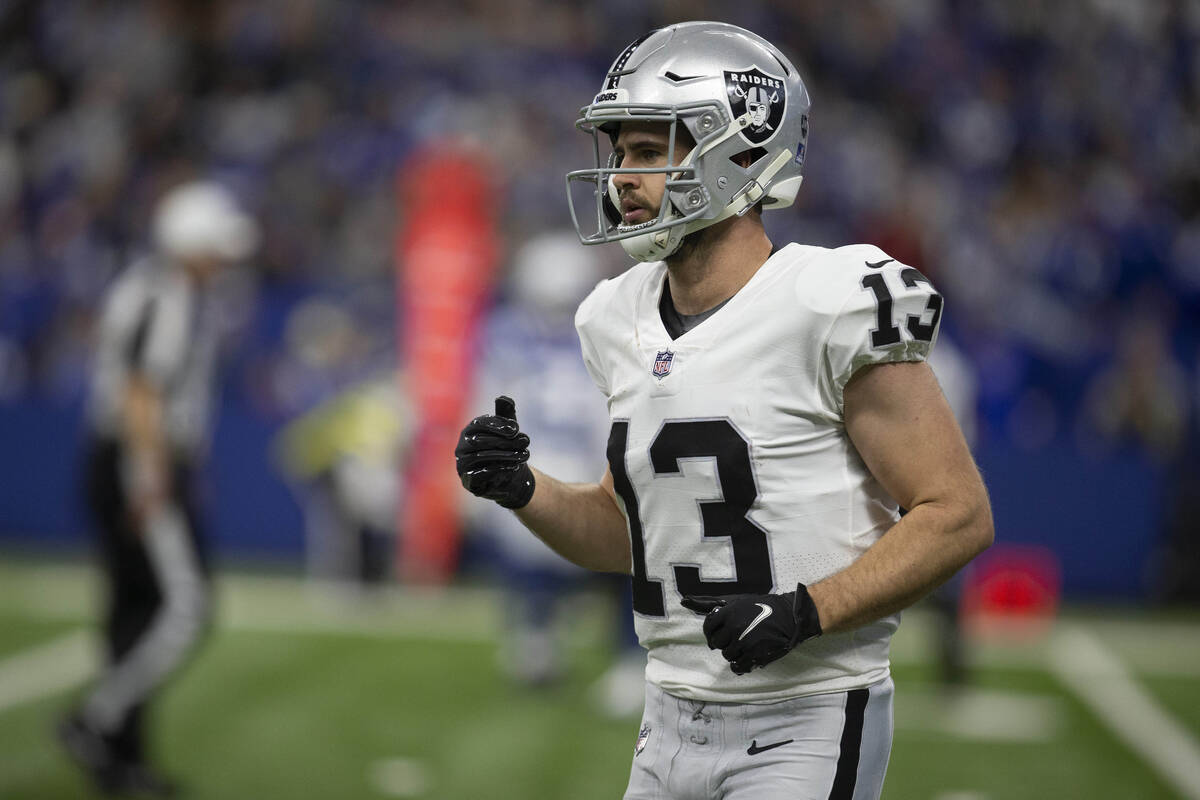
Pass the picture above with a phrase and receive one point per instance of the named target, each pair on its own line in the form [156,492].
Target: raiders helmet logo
[762,95]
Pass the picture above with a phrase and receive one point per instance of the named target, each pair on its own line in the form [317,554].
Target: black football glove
[752,630]
[491,457]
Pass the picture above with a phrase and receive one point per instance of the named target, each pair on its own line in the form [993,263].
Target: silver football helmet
[734,92]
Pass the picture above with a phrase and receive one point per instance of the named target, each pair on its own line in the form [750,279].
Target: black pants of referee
[158,607]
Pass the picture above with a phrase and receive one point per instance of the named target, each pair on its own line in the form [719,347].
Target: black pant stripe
[847,764]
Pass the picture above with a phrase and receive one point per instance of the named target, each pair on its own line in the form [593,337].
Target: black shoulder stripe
[136,350]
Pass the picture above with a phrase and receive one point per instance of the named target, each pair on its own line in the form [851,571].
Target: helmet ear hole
[748,158]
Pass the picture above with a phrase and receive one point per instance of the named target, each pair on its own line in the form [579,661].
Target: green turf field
[300,694]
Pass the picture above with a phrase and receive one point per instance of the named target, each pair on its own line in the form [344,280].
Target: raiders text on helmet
[734,93]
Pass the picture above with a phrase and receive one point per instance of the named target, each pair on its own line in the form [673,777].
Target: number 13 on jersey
[886,333]
[721,441]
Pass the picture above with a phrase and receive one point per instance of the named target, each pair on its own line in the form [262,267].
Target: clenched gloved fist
[752,630]
[491,457]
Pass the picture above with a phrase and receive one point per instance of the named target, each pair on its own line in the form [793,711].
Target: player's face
[642,145]
[205,268]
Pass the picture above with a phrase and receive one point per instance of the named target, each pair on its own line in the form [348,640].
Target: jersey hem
[788,693]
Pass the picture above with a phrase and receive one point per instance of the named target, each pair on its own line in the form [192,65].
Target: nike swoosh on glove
[752,630]
[491,457]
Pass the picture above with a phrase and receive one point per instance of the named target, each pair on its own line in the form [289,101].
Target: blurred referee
[149,422]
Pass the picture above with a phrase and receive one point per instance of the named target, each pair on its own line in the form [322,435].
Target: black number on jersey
[724,518]
[923,333]
[885,332]
[647,594]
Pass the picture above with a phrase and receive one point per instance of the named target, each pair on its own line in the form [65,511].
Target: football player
[771,413]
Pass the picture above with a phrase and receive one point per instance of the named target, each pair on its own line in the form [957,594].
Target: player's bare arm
[579,521]
[146,468]
[906,434]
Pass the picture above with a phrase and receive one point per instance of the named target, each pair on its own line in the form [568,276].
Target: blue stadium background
[1038,163]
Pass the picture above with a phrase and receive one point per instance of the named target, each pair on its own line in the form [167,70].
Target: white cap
[203,219]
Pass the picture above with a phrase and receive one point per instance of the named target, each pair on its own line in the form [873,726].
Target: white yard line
[46,669]
[1097,677]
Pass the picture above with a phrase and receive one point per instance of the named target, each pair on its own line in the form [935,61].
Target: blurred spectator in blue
[980,155]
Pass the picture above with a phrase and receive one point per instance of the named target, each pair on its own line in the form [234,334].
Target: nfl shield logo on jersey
[662,364]
[643,736]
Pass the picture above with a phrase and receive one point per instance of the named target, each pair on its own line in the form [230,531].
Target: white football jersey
[729,452]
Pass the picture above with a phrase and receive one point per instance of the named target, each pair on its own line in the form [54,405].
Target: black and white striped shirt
[157,323]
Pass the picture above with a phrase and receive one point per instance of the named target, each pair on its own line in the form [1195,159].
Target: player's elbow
[979,527]
[965,517]
[985,530]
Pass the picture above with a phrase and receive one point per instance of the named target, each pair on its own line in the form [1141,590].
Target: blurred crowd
[1037,161]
